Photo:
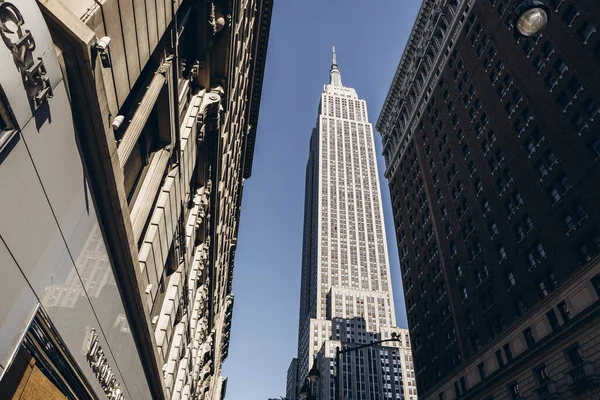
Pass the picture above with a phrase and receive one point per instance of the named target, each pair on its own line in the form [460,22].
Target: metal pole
[337,395]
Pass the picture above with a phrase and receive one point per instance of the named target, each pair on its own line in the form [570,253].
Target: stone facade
[157,104]
[511,360]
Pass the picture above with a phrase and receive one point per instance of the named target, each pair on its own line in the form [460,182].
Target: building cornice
[435,33]
[408,55]
[263,24]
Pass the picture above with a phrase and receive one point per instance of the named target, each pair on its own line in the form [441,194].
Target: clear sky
[369,36]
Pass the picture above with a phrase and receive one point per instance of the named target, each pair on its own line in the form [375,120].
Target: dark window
[550,81]
[569,15]
[565,313]
[481,368]
[499,358]
[560,66]
[563,100]
[595,147]
[578,121]
[586,30]
[463,384]
[547,49]
[596,284]
[456,389]
[475,344]
[513,391]
[529,338]
[551,315]
[574,355]
[541,374]
[508,352]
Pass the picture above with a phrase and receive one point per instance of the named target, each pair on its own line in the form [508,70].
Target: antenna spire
[335,78]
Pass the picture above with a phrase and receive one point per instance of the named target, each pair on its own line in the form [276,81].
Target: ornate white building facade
[346,293]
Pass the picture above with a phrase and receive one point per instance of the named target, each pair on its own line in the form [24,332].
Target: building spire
[335,78]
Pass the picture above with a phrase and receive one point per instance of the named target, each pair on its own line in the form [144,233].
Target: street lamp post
[309,389]
[338,353]
[530,17]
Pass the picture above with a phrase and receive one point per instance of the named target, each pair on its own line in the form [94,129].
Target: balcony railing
[582,377]
[547,391]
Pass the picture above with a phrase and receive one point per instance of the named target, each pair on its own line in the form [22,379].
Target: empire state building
[346,293]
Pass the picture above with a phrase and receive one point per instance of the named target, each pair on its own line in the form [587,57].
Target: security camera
[116,124]
[101,46]
[103,43]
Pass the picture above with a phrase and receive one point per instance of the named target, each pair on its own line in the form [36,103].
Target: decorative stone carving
[209,115]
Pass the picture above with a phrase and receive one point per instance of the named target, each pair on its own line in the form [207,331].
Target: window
[481,368]
[7,121]
[511,280]
[513,391]
[507,352]
[520,232]
[457,270]
[560,67]
[485,206]
[499,358]
[540,250]
[531,260]
[547,49]
[493,228]
[569,15]
[569,223]
[553,193]
[590,106]
[528,222]
[596,284]
[471,165]
[529,338]
[501,253]
[574,356]
[519,307]
[541,374]
[550,81]
[586,31]
[580,211]
[470,319]
[551,315]
[565,313]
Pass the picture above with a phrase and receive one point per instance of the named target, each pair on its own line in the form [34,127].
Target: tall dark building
[491,145]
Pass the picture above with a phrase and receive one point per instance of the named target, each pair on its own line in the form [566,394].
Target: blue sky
[369,36]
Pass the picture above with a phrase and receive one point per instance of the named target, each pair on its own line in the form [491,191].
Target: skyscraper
[346,293]
[491,146]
